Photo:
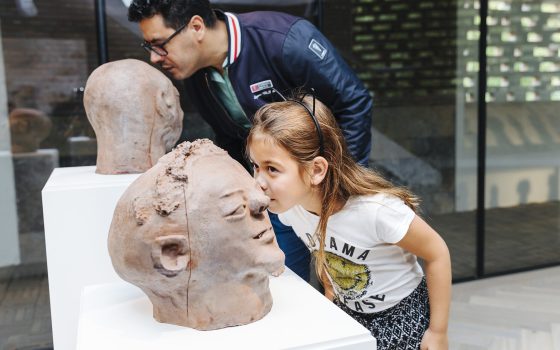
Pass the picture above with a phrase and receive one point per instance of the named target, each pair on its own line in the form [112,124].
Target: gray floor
[520,311]
[25,318]
[516,238]
[513,312]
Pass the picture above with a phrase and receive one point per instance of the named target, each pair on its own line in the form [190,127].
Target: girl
[364,231]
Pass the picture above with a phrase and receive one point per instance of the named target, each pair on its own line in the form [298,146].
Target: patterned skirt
[402,326]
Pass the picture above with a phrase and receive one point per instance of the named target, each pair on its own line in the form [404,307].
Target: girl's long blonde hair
[289,125]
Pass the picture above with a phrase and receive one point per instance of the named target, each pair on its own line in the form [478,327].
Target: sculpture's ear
[170,254]
[165,101]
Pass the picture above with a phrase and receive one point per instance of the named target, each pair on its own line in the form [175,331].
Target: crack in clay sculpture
[135,112]
[28,127]
[193,233]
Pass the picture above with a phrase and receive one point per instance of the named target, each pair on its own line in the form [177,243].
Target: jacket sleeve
[311,61]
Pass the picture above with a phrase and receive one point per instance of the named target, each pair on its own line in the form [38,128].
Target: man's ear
[319,169]
[170,254]
[198,26]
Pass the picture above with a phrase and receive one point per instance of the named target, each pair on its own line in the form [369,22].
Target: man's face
[183,50]
[230,213]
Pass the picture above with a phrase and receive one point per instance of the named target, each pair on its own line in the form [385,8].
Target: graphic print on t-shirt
[351,279]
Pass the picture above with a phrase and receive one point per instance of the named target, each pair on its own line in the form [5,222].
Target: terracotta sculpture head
[28,127]
[135,112]
[193,233]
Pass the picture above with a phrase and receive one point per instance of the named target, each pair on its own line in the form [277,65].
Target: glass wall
[420,60]
[412,56]
[523,135]
[48,49]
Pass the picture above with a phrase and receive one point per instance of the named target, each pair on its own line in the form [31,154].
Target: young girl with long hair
[364,231]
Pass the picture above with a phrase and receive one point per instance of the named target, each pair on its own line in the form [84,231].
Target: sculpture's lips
[265,235]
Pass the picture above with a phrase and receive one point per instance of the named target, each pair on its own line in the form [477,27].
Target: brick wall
[523,50]
[406,50]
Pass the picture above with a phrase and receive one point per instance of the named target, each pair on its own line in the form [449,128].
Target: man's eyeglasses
[158,49]
[310,111]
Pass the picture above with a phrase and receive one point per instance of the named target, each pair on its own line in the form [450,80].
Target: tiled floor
[516,237]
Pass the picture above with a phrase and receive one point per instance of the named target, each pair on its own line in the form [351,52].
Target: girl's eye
[272,169]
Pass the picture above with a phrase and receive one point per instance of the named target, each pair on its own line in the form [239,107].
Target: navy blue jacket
[275,49]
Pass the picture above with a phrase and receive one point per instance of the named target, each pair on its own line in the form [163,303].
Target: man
[231,62]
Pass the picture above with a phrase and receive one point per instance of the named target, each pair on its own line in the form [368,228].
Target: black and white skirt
[400,327]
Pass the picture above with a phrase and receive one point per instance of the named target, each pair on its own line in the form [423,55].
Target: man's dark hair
[175,13]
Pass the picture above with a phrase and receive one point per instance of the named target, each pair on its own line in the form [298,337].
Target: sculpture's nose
[258,202]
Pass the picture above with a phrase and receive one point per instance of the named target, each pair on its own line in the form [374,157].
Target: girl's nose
[261,181]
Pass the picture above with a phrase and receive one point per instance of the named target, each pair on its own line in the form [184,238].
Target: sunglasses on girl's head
[310,111]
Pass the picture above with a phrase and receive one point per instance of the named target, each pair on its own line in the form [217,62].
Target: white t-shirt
[368,271]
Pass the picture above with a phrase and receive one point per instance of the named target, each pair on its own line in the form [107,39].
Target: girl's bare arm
[423,241]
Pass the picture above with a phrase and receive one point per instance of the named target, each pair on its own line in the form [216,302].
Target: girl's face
[278,175]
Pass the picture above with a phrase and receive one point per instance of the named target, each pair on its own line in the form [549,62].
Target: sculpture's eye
[238,213]
[259,236]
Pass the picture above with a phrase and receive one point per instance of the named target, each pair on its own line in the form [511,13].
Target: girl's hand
[434,340]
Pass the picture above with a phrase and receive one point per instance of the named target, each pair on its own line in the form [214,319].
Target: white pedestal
[9,242]
[78,208]
[32,171]
[119,316]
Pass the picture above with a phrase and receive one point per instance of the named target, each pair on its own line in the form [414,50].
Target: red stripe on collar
[234,33]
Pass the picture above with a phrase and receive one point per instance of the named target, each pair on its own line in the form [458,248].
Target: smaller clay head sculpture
[135,112]
[28,127]
[194,234]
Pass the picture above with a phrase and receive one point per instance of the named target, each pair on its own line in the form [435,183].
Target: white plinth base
[119,316]
[9,239]
[78,208]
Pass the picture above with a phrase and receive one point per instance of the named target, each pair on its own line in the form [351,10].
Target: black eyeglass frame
[311,113]
[154,48]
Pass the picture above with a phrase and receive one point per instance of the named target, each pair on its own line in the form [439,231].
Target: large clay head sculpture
[135,112]
[28,128]
[193,233]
